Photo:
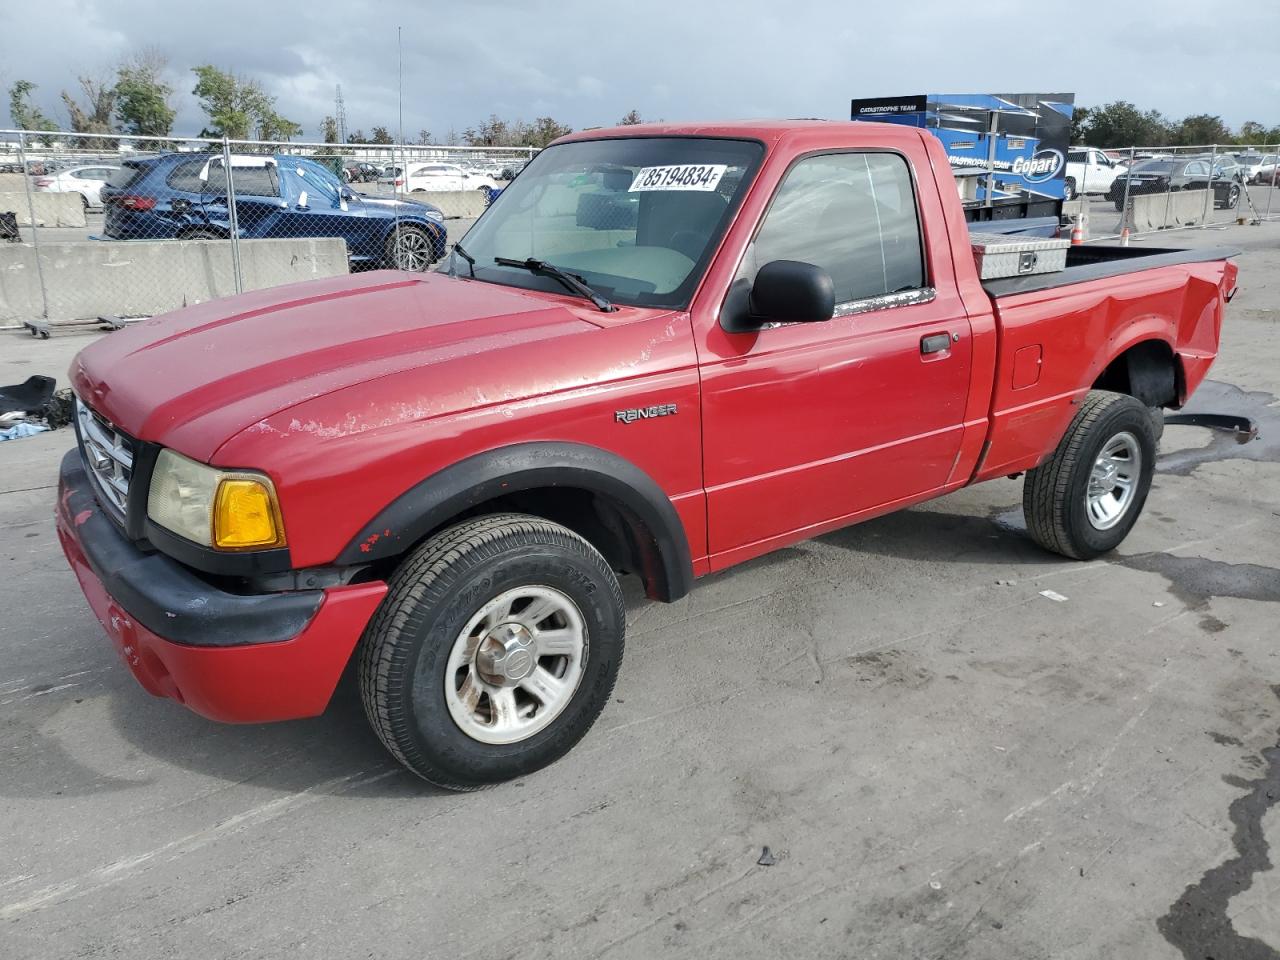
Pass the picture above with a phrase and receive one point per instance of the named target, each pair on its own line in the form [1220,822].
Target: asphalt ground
[943,761]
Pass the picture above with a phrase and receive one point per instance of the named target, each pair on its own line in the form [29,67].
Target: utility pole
[340,114]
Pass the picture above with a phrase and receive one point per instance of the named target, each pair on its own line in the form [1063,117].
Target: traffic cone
[1077,231]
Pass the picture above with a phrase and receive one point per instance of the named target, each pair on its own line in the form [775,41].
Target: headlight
[227,510]
[435,215]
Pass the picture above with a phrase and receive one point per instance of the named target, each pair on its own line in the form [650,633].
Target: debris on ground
[32,407]
[767,859]
[20,430]
[1053,595]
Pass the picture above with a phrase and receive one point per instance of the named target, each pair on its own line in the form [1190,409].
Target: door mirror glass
[791,291]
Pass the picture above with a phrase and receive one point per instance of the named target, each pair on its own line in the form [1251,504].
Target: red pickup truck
[663,350]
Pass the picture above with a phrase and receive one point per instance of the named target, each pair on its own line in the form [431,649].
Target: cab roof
[771,132]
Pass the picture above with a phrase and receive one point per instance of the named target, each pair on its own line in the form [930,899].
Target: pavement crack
[1198,924]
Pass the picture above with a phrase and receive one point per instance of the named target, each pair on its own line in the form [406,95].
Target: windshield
[636,218]
[1155,166]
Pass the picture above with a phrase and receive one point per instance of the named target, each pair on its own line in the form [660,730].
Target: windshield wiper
[573,282]
[471,261]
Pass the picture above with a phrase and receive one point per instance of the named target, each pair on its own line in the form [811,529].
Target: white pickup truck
[1089,170]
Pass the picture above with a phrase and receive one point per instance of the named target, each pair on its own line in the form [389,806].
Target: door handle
[935,343]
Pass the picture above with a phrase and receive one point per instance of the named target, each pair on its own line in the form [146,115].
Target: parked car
[361,171]
[1253,164]
[86,181]
[1227,167]
[1268,173]
[438,480]
[183,196]
[443,177]
[1089,171]
[1159,176]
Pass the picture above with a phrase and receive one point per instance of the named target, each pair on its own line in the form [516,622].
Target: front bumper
[230,657]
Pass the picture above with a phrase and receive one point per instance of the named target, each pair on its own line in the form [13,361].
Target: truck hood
[194,378]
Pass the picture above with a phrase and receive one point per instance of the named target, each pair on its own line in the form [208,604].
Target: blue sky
[587,63]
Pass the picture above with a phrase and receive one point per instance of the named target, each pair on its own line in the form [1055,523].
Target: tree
[1121,124]
[1200,129]
[25,115]
[1080,124]
[380,136]
[357,137]
[100,103]
[543,132]
[142,98]
[237,106]
[496,132]
[329,130]
[424,137]
[631,119]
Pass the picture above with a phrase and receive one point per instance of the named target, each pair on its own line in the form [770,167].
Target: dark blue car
[183,196]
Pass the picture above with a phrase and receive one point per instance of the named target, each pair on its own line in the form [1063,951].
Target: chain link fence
[122,227]
[118,227]
[1146,190]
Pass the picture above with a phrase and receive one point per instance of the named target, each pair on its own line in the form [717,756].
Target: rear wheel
[409,248]
[1233,196]
[1085,499]
[496,648]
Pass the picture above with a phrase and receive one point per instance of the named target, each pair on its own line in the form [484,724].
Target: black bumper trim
[164,596]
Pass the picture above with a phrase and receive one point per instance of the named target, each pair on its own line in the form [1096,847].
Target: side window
[256,181]
[854,215]
[1076,156]
[185,176]
[1197,169]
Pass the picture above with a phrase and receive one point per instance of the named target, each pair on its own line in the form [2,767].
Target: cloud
[587,63]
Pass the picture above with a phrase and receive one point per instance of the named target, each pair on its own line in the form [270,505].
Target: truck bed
[1091,262]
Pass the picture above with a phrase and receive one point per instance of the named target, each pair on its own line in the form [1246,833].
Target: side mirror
[791,291]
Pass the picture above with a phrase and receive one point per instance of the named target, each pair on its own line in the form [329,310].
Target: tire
[1058,497]
[1157,423]
[1233,196]
[84,201]
[432,615]
[417,249]
[202,233]
[1069,188]
[1119,205]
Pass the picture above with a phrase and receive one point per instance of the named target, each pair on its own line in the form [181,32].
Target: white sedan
[86,181]
[444,176]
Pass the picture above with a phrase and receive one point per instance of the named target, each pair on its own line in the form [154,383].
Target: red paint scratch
[82,516]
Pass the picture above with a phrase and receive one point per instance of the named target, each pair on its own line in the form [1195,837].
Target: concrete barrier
[52,209]
[467,204]
[143,277]
[1159,211]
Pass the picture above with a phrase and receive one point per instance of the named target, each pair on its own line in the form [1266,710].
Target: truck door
[805,424]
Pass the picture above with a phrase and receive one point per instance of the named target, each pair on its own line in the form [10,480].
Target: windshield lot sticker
[682,176]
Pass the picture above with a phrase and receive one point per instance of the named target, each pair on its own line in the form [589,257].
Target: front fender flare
[434,502]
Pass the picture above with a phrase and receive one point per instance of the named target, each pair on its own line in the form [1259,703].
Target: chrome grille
[108,457]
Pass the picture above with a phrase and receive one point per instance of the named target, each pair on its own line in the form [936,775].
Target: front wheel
[1084,500]
[494,652]
[409,248]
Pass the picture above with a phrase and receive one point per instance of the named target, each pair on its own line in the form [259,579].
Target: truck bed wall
[1054,344]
